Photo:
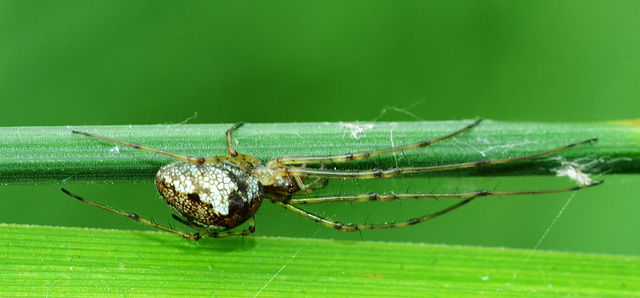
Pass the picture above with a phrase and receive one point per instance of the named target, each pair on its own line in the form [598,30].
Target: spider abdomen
[216,195]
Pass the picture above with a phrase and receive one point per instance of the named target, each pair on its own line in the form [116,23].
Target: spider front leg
[467,196]
[387,197]
[358,227]
[372,174]
[364,154]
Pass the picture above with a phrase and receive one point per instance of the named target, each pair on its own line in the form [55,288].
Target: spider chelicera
[216,194]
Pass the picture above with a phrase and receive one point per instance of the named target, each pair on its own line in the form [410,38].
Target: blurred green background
[150,62]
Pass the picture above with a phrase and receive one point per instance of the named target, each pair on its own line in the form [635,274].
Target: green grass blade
[53,261]
[53,154]
[78,262]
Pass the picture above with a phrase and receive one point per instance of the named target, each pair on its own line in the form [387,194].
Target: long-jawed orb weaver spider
[218,193]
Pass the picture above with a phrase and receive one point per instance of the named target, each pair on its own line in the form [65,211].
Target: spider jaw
[266,176]
[277,181]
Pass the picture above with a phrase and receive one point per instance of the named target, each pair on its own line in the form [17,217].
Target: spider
[215,194]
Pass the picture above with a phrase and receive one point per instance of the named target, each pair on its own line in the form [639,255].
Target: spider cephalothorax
[218,193]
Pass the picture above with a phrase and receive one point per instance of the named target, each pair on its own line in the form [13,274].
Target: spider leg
[373,196]
[246,158]
[191,159]
[186,222]
[218,234]
[192,237]
[232,151]
[364,154]
[317,183]
[357,227]
[370,174]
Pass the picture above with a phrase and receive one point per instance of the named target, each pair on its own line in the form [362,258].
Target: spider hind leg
[190,236]
[244,161]
[204,231]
